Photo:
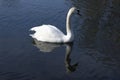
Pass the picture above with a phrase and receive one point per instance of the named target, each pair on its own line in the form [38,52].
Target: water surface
[94,55]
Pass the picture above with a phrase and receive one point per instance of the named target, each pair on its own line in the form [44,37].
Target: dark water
[94,55]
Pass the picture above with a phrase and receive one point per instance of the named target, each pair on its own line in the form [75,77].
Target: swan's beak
[78,12]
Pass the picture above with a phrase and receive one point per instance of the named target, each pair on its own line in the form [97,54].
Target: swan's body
[49,33]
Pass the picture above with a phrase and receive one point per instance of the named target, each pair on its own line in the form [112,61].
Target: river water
[94,55]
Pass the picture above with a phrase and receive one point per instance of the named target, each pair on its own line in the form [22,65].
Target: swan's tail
[34,29]
[31,35]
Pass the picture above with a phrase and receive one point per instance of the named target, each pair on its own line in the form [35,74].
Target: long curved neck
[68,28]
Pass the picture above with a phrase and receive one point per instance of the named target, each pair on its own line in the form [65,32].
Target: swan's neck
[68,28]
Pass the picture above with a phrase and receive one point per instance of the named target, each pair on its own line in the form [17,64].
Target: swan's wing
[47,33]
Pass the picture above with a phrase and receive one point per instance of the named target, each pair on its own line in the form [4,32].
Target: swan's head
[75,10]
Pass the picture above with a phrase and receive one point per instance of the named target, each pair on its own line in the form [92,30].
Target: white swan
[49,33]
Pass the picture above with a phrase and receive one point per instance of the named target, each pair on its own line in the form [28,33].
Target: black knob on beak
[78,12]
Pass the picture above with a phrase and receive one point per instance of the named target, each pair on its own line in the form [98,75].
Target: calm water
[94,55]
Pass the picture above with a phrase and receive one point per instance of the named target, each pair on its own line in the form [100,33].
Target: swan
[50,33]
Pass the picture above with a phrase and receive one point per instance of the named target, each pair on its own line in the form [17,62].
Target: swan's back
[47,33]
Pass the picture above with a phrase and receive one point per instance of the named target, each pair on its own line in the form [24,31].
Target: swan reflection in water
[44,46]
[49,47]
